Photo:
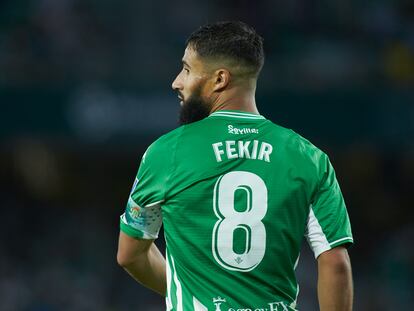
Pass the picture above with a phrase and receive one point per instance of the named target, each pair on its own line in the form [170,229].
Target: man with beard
[235,192]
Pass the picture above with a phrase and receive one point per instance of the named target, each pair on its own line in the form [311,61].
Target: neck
[236,98]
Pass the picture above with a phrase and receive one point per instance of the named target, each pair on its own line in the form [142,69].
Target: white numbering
[249,220]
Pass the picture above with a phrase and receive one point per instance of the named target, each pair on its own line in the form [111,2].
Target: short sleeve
[328,222]
[143,218]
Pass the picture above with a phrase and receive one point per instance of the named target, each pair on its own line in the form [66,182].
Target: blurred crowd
[310,44]
[103,67]
[59,232]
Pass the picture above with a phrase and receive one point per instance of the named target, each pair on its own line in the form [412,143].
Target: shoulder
[184,133]
[298,146]
[168,139]
[164,145]
[293,139]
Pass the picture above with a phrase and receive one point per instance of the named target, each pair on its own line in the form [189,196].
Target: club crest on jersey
[217,302]
[134,212]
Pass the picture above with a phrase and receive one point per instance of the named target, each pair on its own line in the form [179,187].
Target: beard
[195,108]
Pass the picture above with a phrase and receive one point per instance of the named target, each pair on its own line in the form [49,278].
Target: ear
[222,79]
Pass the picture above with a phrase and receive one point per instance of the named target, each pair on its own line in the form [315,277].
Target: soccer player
[235,192]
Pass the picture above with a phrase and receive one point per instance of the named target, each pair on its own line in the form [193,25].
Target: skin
[224,85]
[143,261]
[222,88]
[335,287]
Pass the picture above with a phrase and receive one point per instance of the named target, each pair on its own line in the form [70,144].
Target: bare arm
[143,261]
[335,288]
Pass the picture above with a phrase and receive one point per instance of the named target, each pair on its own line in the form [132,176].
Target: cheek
[189,83]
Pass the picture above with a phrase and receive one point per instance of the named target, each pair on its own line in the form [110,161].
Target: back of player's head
[232,41]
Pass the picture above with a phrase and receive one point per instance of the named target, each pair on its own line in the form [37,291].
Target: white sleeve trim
[155,203]
[343,239]
[314,234]
[123,219]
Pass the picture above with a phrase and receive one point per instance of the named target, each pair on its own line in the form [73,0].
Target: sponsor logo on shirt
[271,306]
[245,130]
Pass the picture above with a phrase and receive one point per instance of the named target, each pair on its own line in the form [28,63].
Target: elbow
[131,250]
[342,266]
[337,259]
[123,259]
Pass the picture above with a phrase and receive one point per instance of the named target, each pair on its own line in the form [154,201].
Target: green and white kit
[236,194]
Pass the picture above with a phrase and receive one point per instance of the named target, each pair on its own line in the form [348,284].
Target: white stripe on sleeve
[315,236]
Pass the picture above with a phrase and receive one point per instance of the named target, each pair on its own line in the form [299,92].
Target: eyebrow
[185,63]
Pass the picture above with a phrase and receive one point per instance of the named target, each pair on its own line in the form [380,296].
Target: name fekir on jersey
[236,194]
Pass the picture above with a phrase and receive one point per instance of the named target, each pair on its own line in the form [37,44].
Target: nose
[176,85]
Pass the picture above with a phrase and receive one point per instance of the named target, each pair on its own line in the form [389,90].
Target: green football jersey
[236,194]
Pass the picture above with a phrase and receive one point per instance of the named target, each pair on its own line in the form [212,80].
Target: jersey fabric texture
[236,194]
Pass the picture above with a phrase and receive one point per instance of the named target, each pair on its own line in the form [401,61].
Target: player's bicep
[130,248]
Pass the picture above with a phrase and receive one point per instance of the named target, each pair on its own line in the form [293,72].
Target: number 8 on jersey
[248,221]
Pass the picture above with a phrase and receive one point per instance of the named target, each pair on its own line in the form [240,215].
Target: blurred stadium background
[85,87]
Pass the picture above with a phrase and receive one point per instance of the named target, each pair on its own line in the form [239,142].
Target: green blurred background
[85,87]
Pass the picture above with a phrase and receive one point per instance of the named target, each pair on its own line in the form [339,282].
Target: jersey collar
[238,114]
